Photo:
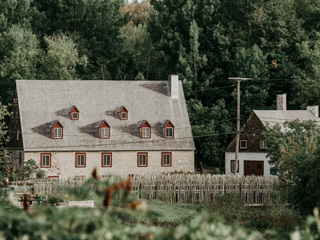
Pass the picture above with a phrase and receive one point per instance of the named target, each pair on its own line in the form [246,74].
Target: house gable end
[251,131]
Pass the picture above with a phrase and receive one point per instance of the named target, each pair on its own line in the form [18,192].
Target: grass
[275,221]
[165,214]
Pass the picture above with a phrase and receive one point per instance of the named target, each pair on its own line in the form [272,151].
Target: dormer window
[74,113]
[144,129]
[56,130]
[103,130]
[123,113]
[168,129]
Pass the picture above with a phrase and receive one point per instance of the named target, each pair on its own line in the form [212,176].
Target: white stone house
[119,127]
[252,147]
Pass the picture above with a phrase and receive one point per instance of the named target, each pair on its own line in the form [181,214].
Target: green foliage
[275,216]
[121,221]
[30,170]
[311,230]
[61,58]
[4,168]
[205,42]
[19,56]
[209,122]
[294,150]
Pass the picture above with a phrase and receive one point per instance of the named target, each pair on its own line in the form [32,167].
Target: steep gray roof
[273,117]
[43,101]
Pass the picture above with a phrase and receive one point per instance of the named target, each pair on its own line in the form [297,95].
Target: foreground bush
[117,218]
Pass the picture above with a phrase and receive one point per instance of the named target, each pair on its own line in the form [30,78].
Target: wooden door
[254,168]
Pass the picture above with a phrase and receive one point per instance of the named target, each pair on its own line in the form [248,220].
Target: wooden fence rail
[184,188]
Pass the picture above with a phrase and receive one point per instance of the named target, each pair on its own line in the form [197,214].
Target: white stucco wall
[63,163]
[253,156]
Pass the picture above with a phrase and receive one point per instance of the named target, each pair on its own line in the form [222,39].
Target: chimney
[174,86]
[282,101]
[314,110]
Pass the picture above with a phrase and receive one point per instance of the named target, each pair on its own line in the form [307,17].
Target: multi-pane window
[106,160]
[166,160]
[142,159]
[45,160]
[263,144]
[169,132]
[104,132]
[123,115]
[75,115]
[145,132]
[233,166]
[57,132]
[243,144]
[80,160]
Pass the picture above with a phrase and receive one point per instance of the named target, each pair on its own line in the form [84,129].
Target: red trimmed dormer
[168,129]
[144,129]
[56,130]
[74,113]
[103,130]
[123,113]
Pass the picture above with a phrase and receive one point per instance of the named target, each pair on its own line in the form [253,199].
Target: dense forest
[274,42]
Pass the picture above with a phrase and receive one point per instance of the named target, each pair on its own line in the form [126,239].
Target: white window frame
[145,132]
[241,141]
[56,133]
[143,157]
[79,160]
[123,117]
[263,144]
[105,160]
[46,157]
[75,117]
[104,132]
[169,136]
[168,156]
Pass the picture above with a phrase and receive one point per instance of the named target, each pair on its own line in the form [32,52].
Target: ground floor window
[45,160]
[143,159]
[80,160]
[166,159]
[233,166]
[106,160]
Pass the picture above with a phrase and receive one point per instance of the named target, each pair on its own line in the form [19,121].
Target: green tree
[19,56]
[30,170]
[294,150]
[252,63]
[4,168]
[191,64]
[61,59]
[210,126]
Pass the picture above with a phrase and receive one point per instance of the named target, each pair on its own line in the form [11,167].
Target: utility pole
[238,79]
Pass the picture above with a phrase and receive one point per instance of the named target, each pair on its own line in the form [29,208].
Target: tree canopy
[276,43]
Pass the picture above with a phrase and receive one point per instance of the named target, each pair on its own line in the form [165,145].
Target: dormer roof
[167,123]
[144,123]
[55,124]
[119,109]
[72,108]
[103,123]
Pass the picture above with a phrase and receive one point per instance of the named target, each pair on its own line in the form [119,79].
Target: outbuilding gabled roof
[98,100]
[273,117]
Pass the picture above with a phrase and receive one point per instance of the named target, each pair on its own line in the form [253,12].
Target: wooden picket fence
[187,188]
